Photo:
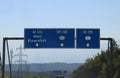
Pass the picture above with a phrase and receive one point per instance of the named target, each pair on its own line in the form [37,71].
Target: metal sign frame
[6,39]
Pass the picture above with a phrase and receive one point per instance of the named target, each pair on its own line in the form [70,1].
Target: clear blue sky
[15,15]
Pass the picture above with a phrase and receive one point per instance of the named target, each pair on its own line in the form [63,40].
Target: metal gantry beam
[22,38]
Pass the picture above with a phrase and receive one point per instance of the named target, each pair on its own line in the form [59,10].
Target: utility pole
[11,53]
[0,63]
[11,56]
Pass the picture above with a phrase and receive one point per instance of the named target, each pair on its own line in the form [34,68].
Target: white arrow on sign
[87,44]
[37,45]
[61,44]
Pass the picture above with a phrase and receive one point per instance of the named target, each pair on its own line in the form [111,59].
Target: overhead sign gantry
[59,38]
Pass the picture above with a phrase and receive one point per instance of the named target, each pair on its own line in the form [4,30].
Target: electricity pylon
[20,62]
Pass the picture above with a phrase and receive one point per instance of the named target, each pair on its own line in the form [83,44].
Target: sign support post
[110,50]
[4,51]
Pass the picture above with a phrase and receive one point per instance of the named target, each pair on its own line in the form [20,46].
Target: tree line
[99,66]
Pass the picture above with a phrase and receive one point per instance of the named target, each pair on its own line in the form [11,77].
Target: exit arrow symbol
[36,44]
[87,44]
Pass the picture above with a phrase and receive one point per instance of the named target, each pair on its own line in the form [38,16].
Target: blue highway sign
[88,38]
[49,38]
